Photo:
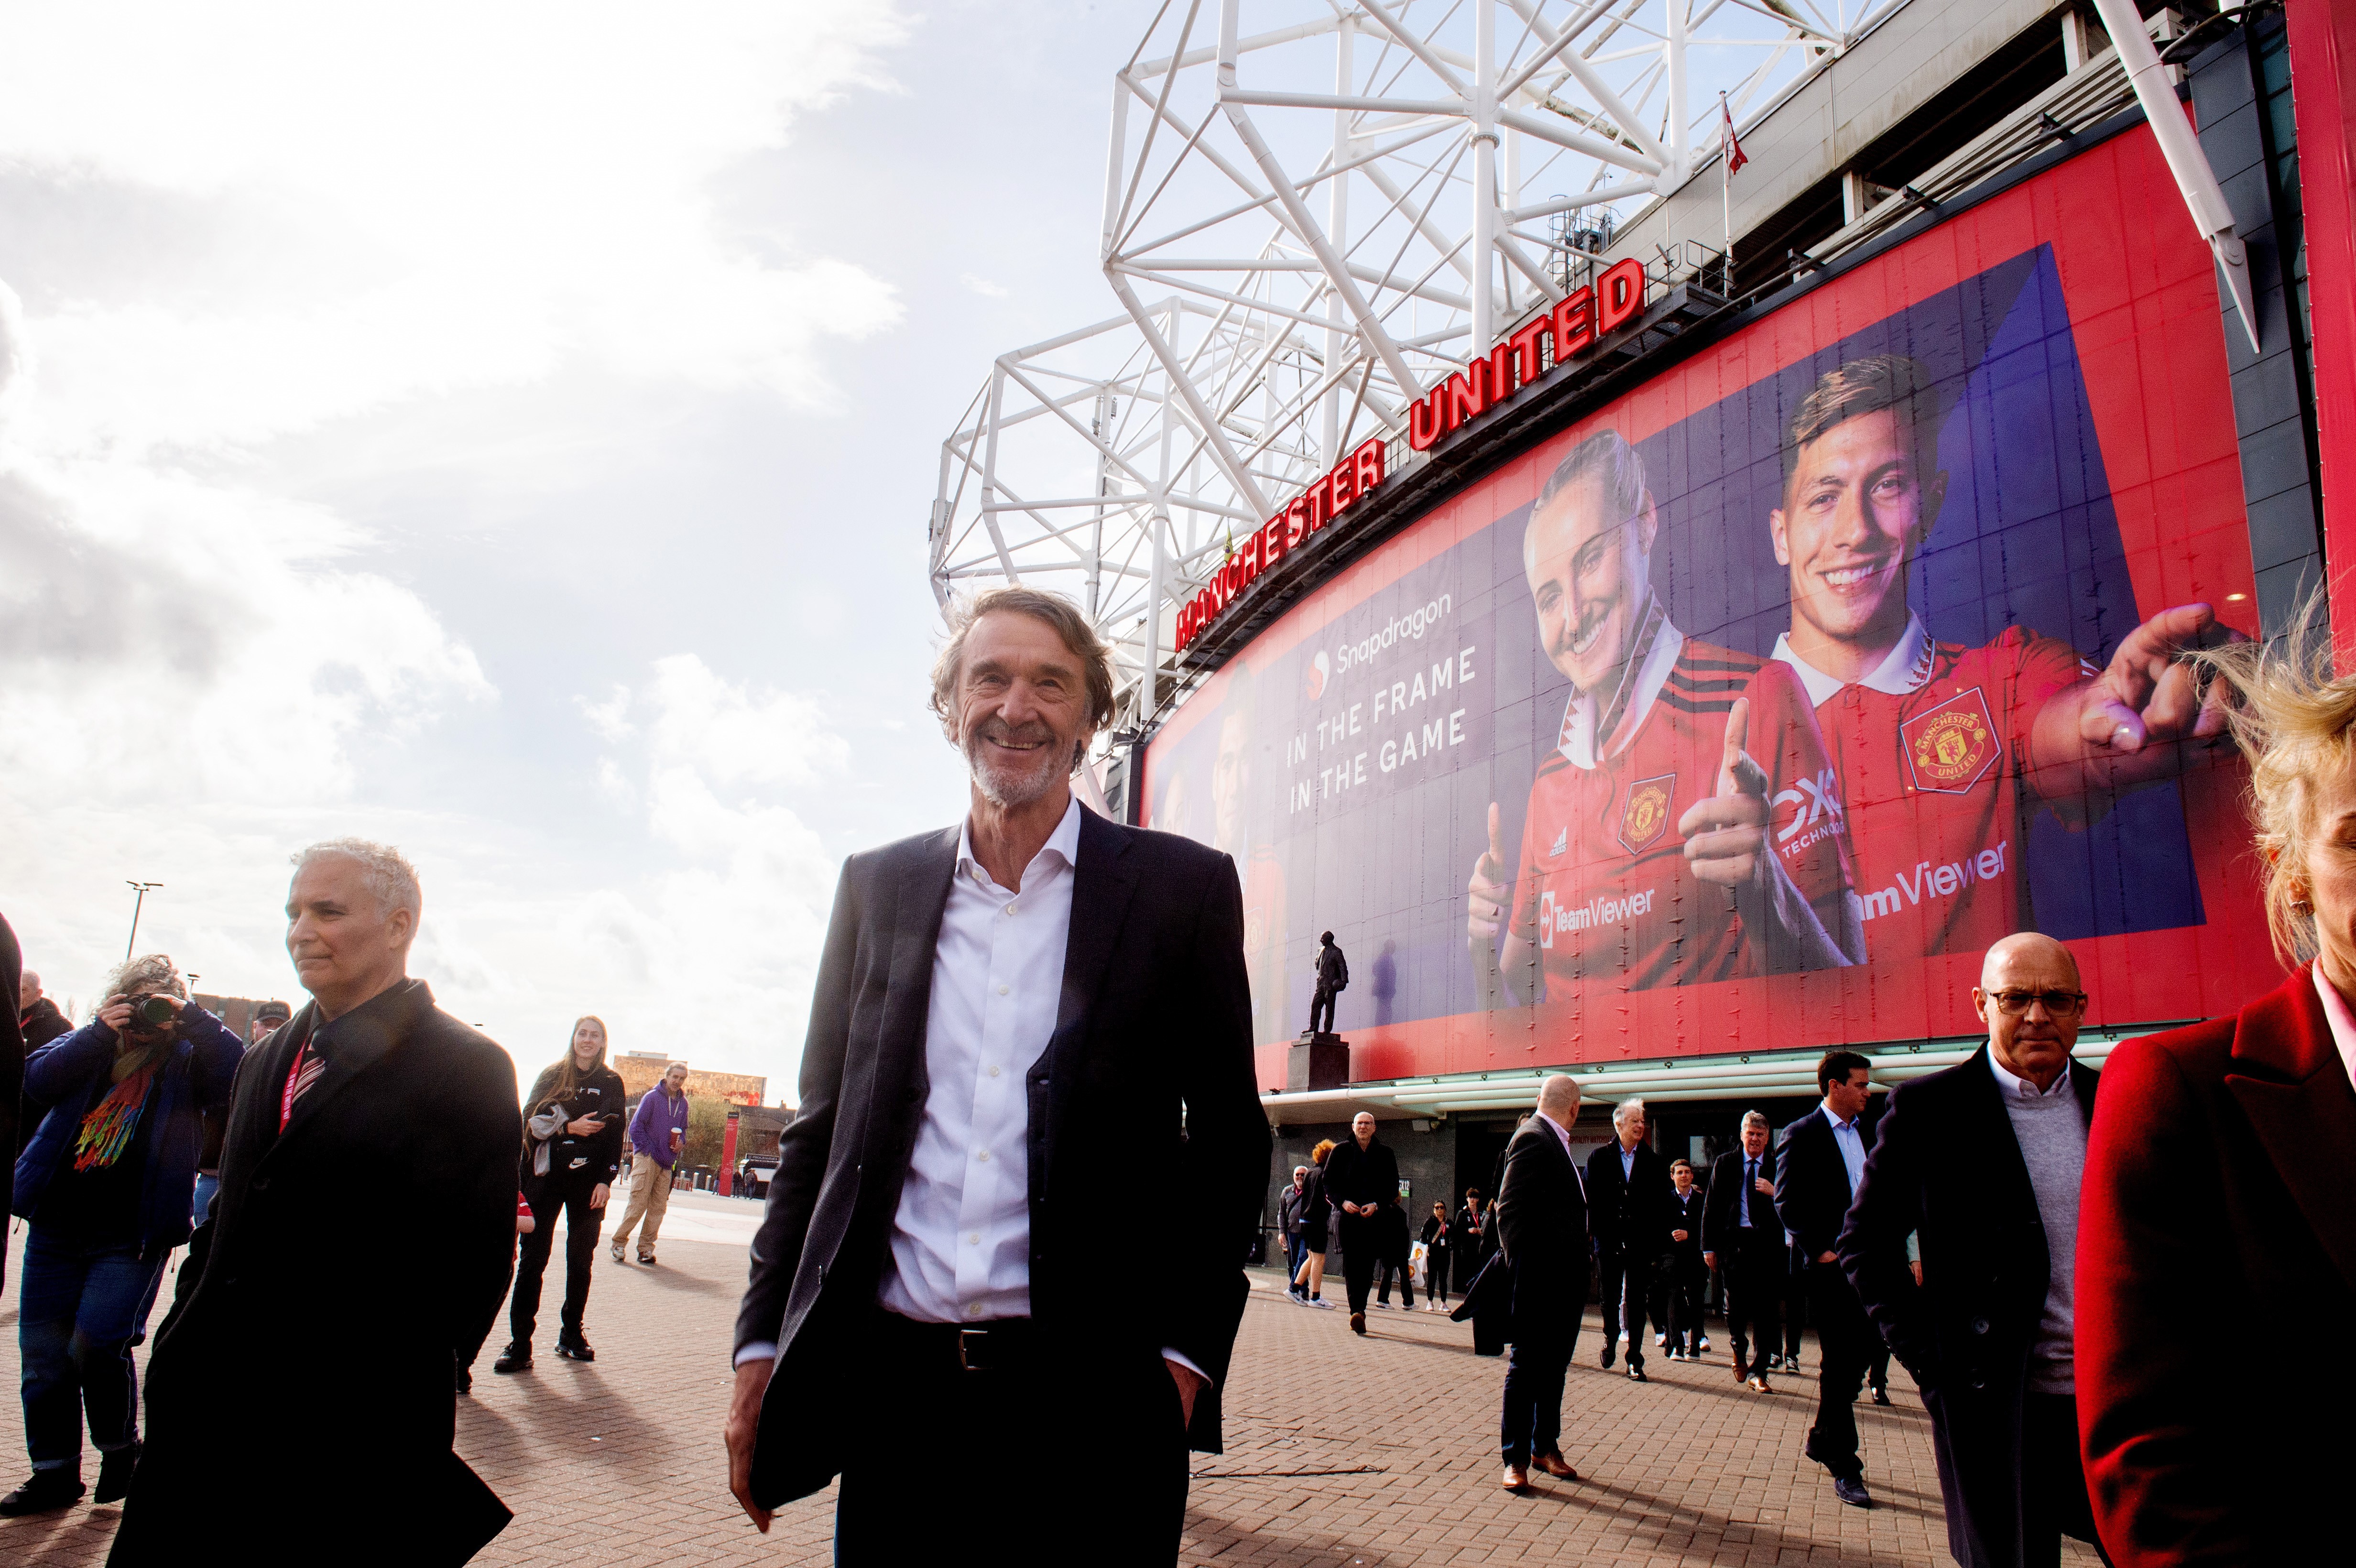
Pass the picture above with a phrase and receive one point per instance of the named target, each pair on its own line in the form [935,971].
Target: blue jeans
[208,1183]
[1296,1253]
[78,1310]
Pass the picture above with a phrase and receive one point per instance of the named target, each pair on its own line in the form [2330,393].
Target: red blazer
[2217,1236]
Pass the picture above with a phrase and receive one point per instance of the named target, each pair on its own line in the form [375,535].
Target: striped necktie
[306,1071]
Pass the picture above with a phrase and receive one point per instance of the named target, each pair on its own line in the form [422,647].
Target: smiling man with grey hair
[1631,1201]
[988,993]
[369,1080]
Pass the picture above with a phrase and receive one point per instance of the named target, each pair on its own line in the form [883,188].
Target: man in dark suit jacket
[1983,1163]
[1628,1200]
[369,1083]
[1820,1161]
[1743,1240]
[1683,1271]
[1540,1224]
[2218,1171]
[1361,1176]
[993,1000]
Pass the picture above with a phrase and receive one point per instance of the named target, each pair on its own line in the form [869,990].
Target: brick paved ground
[1341,1451]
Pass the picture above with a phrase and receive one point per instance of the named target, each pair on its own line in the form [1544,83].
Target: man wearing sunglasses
[1982,1162]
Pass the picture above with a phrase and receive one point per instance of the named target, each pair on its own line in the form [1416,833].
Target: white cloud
[983,286]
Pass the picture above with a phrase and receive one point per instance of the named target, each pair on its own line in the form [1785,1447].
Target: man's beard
[1008,784]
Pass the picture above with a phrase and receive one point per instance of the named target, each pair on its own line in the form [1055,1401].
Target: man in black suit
[1988,1334]
[992,998]
[1820,1161]
[1628,1197]
[1743,1239]
[1685,1272]
[1539,1221]
[1361,1176]
[371,1083]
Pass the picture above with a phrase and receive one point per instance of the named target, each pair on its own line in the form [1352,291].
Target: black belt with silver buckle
[995,1346]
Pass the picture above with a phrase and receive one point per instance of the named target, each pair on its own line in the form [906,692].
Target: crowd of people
[154,1127]
[2051,1252]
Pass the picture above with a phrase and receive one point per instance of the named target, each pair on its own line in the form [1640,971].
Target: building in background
[642,1070]
[2141,368]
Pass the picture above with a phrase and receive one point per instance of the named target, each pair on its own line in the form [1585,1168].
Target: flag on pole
[1735,156]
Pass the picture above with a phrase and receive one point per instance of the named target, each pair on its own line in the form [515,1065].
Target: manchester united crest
[1645,815]
[1950,747]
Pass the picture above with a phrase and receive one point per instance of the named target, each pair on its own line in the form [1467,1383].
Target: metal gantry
[1313,212]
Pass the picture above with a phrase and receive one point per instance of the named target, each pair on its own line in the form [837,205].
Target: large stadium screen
[1745,714]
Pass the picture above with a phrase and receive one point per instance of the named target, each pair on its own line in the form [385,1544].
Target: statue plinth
[1319,1061]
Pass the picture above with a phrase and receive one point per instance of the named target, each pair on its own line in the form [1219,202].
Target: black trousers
[1755,1279]
[1435,1276]
[1686,1278]
[567,1194]
[1321,1004]
[1359,1245]
[1845,1339]
[1531,1421]
[1796,1301]
[2011,1492]
[990,1501]
[1629,1275]
[1385,1271]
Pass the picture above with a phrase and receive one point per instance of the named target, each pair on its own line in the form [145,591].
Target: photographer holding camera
[106,1182]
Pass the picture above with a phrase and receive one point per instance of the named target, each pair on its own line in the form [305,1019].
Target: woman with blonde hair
[1309,1283]
[2219,1169]
[572,1152]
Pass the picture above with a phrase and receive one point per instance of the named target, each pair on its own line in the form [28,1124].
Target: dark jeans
[1435,1276]
[1686,1278]
[568,1195]
[1296,1253]
[1753,1272]
[1358,1248]
[1531,1422]
[1384,1271]
[991,1491]
[1628,1276]
[78,1310]
[1321,1004]
[1845,1339]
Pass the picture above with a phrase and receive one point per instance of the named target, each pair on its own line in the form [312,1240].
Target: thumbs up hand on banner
[1491,886]
[1726,835]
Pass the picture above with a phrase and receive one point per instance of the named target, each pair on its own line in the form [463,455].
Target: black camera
[152,1012]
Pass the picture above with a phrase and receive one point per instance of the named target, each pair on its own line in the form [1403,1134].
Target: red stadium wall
[2090,480]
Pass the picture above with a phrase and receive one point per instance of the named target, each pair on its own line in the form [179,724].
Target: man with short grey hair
[989,996]
[1630,1201]
[1989,1330]
[1743,1239]
[369,1081]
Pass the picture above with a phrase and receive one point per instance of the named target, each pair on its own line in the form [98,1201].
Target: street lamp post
[144,888]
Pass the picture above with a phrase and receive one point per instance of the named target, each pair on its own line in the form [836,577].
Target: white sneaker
[1381,1307]
[1320,1303]
[1659,1340]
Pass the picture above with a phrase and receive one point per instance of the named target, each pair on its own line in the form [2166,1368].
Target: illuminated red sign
[1573,327]
[1312,509]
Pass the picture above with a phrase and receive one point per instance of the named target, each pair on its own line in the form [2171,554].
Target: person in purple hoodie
[658,1132]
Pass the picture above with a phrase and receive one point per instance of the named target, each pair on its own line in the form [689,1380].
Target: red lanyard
[293,1079]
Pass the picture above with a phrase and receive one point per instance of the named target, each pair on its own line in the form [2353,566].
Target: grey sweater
[2051,1132]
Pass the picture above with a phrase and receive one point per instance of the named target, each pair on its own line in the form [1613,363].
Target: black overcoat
[1540,1224]
[1152,1036]
[1630,1212]
[1945,1166]
[299,1396]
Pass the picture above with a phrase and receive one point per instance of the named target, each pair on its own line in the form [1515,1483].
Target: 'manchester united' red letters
[1312,509]
[1575,326]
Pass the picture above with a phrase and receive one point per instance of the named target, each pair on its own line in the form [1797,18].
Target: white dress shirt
[1852,1146]
[1562,1136]
[961,1236]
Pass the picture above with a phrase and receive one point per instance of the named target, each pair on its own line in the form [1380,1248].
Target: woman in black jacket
[1435,1259]
[572,1152]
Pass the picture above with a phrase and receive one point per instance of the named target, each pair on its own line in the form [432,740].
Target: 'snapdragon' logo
[1645,817]
[1950,747]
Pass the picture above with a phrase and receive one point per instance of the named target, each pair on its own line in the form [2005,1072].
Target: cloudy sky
[506,431]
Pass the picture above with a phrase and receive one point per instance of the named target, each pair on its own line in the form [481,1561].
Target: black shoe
[465,1379]
[1851,1490]
[573,1348]
[1610,1353]
[1637,1372]
[115,1475]
[516,1358]
[48,1491]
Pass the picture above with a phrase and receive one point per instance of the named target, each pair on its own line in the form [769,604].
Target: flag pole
[1726,183]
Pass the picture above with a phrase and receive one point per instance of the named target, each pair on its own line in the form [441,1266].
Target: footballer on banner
[1655,852]
[1944,752]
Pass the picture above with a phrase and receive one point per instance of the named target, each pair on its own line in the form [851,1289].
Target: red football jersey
[1931,784]
[1604,890]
